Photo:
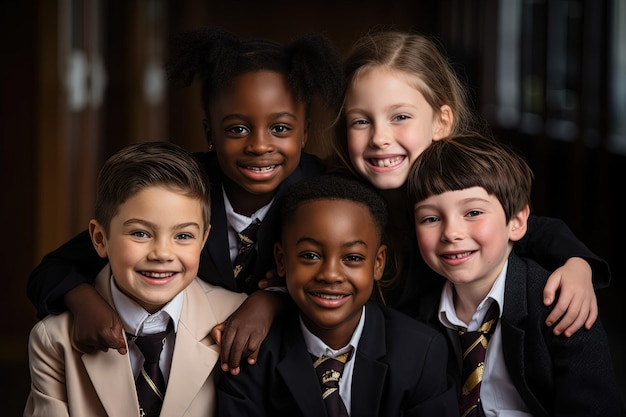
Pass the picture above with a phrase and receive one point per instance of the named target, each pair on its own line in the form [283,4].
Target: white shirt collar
[137,320]
[238,221]
[318,348]
[447,313]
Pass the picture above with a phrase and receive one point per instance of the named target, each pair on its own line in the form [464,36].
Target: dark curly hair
[310,63]
[335,187]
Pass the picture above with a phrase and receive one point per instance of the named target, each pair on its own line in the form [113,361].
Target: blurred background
[80,79]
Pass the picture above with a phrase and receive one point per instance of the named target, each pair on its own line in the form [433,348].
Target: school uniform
[76,261]
[399,369]
[549,241]
[68,382]
[215,265]
[553,375]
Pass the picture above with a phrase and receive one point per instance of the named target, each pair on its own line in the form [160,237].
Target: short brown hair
[457,163]
[148,164]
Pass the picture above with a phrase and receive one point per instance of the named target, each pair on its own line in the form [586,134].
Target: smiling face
[389,124]
[153,245]
[331,255]
[464,236]
[258,131]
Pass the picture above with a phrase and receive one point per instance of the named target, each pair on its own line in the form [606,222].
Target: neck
[244,202]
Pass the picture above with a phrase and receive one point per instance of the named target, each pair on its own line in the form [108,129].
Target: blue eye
[184,236]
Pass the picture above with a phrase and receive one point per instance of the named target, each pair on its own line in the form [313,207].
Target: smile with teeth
[386,162]
[458,255]
[262,169]
[157,274]
[329,296]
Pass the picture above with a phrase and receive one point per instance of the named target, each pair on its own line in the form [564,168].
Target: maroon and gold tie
[474,345]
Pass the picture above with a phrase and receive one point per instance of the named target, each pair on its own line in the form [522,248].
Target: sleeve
[73,263]
[242,394]
[48,395]
[550,242]
[585,381]
[435,394]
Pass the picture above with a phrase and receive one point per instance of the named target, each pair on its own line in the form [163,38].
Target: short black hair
[335,187]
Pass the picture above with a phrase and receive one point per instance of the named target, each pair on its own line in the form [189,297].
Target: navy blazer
[76,261]
[400,370]
[554,375]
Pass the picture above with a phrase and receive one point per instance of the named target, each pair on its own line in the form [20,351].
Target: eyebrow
[419,206]
[345,245]
[243,116]
[154,226]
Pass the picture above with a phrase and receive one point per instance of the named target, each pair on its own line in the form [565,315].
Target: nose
[161,251]
[452,230]
[380,136]
[260,142]
[331,271]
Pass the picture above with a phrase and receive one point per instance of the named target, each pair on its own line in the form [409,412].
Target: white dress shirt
[317,348]
[139,322]
[498,395]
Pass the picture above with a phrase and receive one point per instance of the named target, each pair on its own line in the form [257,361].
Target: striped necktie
[474,345]
[329,372]
[150,382]
[244,262]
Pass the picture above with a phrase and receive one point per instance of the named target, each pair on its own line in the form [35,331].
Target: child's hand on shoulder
[577,303]
[272,279]
[97,325]
[240,336]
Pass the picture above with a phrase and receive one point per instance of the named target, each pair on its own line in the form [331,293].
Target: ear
[519,224]
[379,263]
[279,257]
[98,238]
[206,235]
[442,125]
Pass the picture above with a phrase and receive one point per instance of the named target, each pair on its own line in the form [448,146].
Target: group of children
[337,240]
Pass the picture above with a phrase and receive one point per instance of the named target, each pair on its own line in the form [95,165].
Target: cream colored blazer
[65,381]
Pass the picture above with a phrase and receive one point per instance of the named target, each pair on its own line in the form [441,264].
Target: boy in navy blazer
[331,255]
[471,199]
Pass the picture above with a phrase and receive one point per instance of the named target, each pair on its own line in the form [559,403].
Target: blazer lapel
[296,369]
[368,381]
[192,365]
[195,354]
[513,334]
[515,312]
[112,378]
[217,243]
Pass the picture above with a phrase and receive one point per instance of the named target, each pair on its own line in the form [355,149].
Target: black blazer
[400,370]
[555,375]
[76,261]
[548,241]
